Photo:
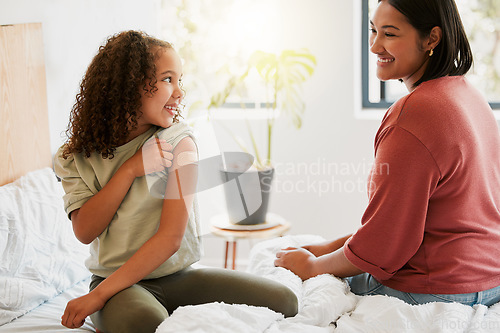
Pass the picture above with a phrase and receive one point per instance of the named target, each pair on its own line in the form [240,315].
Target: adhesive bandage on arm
[187,157]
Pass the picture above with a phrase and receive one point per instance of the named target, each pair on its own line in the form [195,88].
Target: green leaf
[283,75]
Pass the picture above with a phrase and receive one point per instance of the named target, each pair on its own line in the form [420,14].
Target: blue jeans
[365,284]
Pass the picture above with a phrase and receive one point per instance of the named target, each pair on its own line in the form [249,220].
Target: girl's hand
[154,156]
[298,260]
[79,308]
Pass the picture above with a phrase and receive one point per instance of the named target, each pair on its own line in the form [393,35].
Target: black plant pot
[247,195]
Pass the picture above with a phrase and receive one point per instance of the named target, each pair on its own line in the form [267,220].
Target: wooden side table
[220,226]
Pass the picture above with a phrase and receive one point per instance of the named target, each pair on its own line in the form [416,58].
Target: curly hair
[109,102]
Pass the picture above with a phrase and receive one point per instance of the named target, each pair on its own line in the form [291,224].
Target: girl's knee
[131,317]
[288,304]
[233,287]
[292,305]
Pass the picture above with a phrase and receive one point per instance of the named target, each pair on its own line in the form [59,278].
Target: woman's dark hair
[452,56]
[108,104]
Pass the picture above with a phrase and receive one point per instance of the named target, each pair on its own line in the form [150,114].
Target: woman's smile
[385,60]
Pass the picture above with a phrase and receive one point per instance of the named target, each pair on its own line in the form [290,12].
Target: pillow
[39,255]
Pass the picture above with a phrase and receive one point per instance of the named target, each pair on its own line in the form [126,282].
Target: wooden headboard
[24,124]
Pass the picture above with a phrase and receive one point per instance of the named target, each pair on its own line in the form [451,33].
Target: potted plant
[282,76]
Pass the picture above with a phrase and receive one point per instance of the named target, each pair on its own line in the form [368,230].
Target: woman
[432,226]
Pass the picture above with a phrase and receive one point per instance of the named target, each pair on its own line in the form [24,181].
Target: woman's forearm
[336,244]
[326,247]
[335,263]
[306,265]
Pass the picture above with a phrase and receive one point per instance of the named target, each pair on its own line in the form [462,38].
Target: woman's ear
[434,37]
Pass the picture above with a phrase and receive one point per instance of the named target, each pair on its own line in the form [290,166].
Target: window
[480,18]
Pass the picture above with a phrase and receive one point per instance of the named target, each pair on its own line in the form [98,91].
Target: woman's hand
[79,308]
[298,260]
[154,156]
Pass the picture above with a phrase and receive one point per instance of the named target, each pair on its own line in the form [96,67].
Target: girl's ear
[434,38]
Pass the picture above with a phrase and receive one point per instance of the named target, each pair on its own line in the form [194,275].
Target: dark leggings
[144,306]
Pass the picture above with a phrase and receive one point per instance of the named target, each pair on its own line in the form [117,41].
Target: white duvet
[39,254]
[327,305]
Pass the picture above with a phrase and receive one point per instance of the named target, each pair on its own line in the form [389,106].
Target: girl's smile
[159,107]
[172,109]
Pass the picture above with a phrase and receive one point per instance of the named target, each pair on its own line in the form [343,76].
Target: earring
[431,52]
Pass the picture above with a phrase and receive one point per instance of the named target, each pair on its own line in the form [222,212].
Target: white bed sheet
[47,316]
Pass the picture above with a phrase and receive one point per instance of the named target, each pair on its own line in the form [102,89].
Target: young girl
[129,174]
[432,226]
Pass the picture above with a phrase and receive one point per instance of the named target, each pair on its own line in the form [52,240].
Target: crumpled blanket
[389,314]
[322,300]
[327,305]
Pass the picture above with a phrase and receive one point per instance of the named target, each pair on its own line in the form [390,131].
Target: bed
[42,263]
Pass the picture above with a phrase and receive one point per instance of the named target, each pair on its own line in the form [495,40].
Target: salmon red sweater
[432,224]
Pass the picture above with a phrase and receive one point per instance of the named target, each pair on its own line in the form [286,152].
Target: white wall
[332,136]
